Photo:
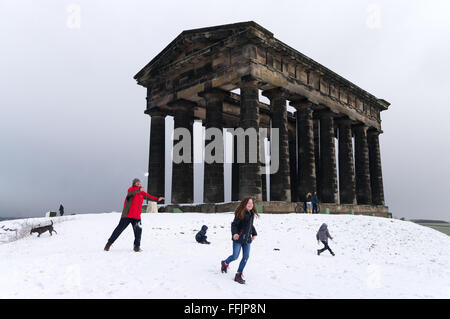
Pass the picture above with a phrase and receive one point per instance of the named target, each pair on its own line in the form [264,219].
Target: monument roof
[205,37]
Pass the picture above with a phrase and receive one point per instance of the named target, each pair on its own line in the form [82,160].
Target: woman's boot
[224,266]
[238,278]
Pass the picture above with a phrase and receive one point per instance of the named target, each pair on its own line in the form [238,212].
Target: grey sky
[72,127]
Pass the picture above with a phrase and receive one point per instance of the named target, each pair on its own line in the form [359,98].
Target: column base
[275,207]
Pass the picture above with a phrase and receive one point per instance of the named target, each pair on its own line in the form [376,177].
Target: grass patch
[442,227]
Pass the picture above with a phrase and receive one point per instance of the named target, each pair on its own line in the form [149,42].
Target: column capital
[213,94]
[344,121]
[275,93]
[248,81]
[373,132]
[155,111]
[302,104]
[182,104]
[326,114]
[360,127]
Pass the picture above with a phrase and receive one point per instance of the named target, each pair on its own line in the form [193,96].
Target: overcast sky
[72,127]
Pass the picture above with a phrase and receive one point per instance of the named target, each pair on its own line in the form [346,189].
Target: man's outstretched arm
[148,196]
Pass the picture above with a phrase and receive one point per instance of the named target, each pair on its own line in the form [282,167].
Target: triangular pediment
[190,41]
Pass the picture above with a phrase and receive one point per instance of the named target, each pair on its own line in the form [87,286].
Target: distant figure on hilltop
[323,236]
[308,203]
[131,214]
[61,210]
[315,203]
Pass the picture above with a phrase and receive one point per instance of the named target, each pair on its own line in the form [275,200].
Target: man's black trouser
[124,222]
[325,248]
[315,208]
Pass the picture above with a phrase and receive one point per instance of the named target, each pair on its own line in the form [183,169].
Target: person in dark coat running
[201,236]
[243,233]
[323,235]
[131,214]
[61,210]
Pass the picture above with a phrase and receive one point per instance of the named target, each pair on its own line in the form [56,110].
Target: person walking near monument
[315,203]
[243,233]
[131,214]
[323,235]
[61,210]
[308,204]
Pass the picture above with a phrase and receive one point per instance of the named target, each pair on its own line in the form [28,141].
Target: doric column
[280,186]
[376,178]
[156,162]
[249,173]
[263,174]
[306,155]
[363,189]
[293,166]
[316,129]
[213,177]
[183,173]
[328,176]
[346,167]
[235,172]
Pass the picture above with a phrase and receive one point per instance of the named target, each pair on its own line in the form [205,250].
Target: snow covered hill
[375,258]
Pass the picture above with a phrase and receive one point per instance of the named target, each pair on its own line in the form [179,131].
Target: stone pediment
[192,41]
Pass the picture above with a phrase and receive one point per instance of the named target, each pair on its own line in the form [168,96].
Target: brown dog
[43,229]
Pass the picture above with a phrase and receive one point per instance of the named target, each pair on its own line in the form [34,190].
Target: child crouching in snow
[323,236]
[201,235]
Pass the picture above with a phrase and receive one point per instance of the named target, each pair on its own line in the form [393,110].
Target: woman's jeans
[236,250]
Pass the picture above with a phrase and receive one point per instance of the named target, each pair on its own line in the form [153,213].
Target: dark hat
[135,181]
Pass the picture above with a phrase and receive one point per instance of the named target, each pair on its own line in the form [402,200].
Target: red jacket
[132,208]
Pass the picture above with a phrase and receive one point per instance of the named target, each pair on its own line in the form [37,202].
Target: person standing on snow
[308,204]
[131,214]
[323,236]
[61,210]
[243,233]
[315,203]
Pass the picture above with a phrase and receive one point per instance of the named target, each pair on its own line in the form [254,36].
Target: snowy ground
[375,258]
[11,230]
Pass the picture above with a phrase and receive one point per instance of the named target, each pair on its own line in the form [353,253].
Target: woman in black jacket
[243,233]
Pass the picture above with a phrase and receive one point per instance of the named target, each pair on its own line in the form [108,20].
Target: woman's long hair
[240,210]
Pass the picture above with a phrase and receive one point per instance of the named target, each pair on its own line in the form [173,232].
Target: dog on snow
[43,229]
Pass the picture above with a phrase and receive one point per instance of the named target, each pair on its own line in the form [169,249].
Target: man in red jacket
[131,214]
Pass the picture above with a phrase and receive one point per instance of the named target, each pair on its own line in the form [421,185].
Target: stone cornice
[256,34]
[311,65]
[326,86]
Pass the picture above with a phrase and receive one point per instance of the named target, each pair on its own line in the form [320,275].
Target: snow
[16,229]
[375,258]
